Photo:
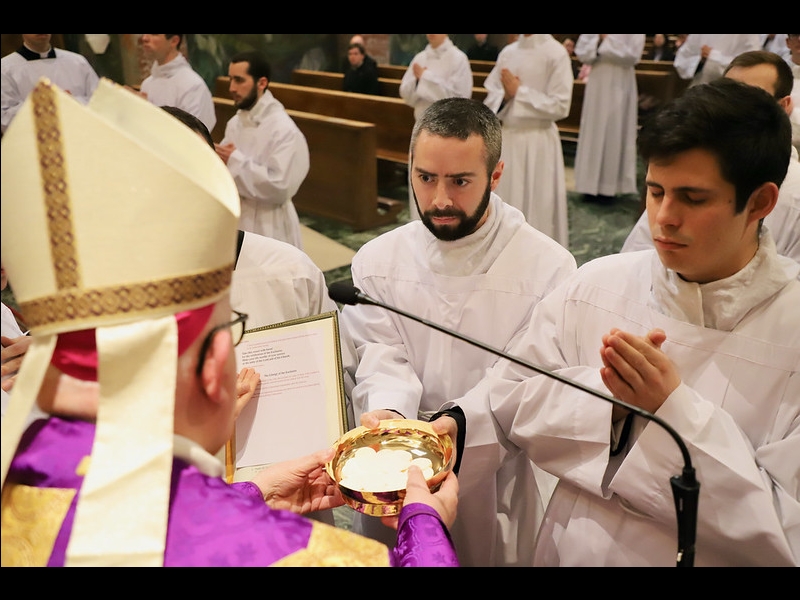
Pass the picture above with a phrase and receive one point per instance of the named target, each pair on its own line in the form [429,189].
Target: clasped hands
[636,370]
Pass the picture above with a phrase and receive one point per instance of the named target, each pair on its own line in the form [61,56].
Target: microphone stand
[685,487]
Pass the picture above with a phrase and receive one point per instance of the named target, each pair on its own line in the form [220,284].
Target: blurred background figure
[605,159]
[662,48]
[775,42]
[704,56]
[265,151]
[530,88]
[36,58]
[173,81]
[481,49]
[357,39]
[569,45]
[360,76]
[793,43]
[441,70]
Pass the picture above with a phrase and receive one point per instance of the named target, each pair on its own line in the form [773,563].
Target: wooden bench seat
[662,85]
[342,180]
[397,72]
[481,66]
[393,118]
[332,80]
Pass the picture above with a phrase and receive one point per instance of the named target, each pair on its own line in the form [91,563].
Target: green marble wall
[209,53]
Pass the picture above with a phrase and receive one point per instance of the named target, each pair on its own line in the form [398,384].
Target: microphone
[685,487]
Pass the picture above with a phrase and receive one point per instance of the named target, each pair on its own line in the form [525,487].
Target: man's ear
[496,174]
[763,200]
[212,376]
[262,83]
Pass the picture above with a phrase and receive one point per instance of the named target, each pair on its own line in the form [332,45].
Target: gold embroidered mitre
[115,217]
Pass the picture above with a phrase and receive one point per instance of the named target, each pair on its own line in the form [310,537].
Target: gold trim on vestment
[74,305]
[31,519]
[331,546]
[55,187]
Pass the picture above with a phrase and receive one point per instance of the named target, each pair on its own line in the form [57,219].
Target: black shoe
[589,198]
[605,199]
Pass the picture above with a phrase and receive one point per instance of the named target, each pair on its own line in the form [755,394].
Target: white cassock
[68,70]
[736,344]
[783,222]
[533,178]
[605,159]
[447,74]
[275,282]
[483,286]
[177,84]
[724,48]
[795,116]
[269,164]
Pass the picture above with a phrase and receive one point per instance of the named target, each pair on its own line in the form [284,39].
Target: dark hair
[741,125]
[461,118]
[359,46]
[180,37]
[753,58]
[191,122]
[257,64]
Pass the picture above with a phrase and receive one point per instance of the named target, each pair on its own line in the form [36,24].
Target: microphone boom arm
[685,487]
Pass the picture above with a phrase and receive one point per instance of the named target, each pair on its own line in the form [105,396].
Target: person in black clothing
[482,49]
[361,75]
[357,39]
[662,48]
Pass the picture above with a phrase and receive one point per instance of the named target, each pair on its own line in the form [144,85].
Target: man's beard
[466,224]
[248,101]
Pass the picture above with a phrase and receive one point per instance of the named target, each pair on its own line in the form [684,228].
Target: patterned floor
[594,229]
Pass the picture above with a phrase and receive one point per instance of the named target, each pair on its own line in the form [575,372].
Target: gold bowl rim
[389,503]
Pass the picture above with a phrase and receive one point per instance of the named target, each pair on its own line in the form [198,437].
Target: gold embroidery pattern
[131,299]
[83,467]
[333,547]
[54,178]
[31,519]
[71,302]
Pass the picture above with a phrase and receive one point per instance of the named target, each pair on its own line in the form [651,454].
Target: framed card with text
[299,406]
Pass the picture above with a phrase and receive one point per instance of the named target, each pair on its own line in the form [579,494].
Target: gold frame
[324,329]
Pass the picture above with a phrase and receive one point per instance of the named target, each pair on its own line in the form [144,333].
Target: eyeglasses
[237,327]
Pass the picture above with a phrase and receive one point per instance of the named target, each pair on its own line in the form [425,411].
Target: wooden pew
[391,71]
[663,86]
[568,127]
[331,80]
[644,65]
[342,179]
[397,72]
[393,118]
[481,66]
[655,65]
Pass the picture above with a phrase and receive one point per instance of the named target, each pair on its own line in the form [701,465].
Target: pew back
[393,118]
[331,80]
[342,179]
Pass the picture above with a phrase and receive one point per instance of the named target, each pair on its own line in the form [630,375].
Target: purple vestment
[211,523]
